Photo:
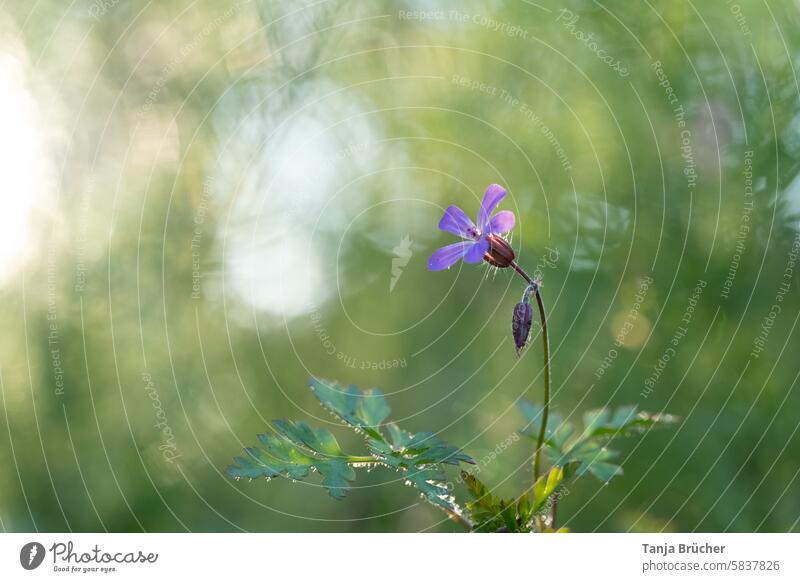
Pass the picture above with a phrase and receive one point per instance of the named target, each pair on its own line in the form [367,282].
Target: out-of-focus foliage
[293,452]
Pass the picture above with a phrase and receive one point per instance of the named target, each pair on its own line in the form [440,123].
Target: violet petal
[455,221]
[494,194]
[477,250]
[501,222]
[446,256]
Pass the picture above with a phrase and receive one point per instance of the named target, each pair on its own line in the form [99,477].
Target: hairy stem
[459,519]
[554,512]
[546,350]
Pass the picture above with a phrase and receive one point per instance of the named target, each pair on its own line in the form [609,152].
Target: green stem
[546,350]
[553,512]
[454,515]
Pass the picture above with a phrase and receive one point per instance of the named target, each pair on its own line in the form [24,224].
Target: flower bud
[521,324]
[500,253]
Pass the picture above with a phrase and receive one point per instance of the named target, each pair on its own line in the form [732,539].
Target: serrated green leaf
[296,449]
[423,448]
[373,409]
[557,432]
[430,482]
[587,450]
[421,467]
[623,415]
[300,433]
[479,492]
[594,419]
[491,513]
[592,457]
[509,514]
[570,469]
[525,507]
[545,486]
[475,486]
[336,477]
[603,471]
[417,456]
[364,411]
[624,421]
[398,436]
[486,510]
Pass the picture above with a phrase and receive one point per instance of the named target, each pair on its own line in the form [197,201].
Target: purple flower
[481,242]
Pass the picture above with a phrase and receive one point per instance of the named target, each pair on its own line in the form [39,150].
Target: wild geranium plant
[294,450]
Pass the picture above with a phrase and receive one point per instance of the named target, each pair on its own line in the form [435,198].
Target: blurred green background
[204,203]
